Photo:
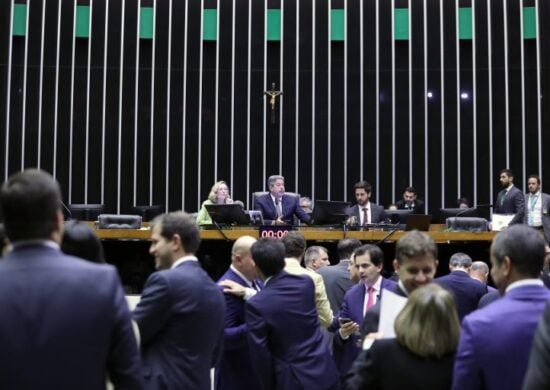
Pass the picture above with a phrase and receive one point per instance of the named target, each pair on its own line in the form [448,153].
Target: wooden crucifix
[273,94]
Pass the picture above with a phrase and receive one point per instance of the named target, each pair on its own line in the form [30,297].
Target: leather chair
[467,224]
[148,213]
[260,193]
[85,212]
[118,221]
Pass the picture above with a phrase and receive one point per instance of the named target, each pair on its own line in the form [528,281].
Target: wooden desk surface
[310,233]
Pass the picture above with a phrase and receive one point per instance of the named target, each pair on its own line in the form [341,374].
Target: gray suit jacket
[337,283]
[545,208]
[377,213]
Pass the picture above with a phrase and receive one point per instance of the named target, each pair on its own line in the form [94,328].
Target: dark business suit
[511,202]
[290,207]
[377,213]
[545,209]
[180,318]
[538,371]
[345,351]
[417,206]
[65,323]
[388,365]
[466,291]
[337,283]
[495,341]
[234,370]
[372,316]
[286,344]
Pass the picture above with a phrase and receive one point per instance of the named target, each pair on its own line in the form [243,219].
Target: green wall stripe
[210,28]
[465,23]
[273,24]
[401,27]
[146,23]
[529,23]
[19,19]
[82,23]
[337,25]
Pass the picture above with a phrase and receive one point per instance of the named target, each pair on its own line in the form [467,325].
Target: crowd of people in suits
[270,322]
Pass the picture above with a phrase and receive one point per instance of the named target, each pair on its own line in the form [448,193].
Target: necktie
[365,215]
[530,214]
[278,208]
[370,298]
[502,195]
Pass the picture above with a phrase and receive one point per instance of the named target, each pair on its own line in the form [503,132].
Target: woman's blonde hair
[428,324]
[214,190]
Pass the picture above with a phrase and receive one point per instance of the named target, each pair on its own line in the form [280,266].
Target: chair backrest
[257,194]
[467,224]
[85,212]
[118,221]
[148,213]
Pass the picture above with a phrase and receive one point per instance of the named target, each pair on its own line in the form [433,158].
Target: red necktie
[370,298]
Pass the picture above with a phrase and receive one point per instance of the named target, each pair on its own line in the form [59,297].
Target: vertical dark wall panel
[178,112]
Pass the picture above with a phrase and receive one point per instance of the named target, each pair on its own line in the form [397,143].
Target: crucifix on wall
[273,94]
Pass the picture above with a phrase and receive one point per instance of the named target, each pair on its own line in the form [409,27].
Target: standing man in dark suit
[369,260]
[286,344]
[415,263]
[466,290]
[410,201]
[233,371]
[278,208]
[181,312]
[495,341]
[537,207]
[510,200]
[538,371]
[337,277]
[365,212]
[65,323]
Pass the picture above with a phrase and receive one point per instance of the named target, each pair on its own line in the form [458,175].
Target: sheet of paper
[501,221]
[390,306]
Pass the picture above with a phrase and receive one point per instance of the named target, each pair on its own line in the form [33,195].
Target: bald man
[234,371]
[480,271]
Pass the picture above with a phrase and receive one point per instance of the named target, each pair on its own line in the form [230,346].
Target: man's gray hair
[480,266]
[313,252]
[273,178]
[460,259]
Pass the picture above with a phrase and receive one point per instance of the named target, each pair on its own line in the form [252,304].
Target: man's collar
[509,187]
[524,282]
[23,243]
[402,287]
[376,284]
[183,260]
[240,274]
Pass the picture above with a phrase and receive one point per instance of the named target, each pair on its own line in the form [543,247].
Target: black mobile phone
[343,320]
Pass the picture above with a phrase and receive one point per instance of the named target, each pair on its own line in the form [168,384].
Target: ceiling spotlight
[464,95]
[430,94]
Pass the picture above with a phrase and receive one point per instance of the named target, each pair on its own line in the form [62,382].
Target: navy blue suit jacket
[233,370]
[466,291]
[377,213]
[495,341]
[65,323]
[513,203]
[180,318]
[345,351]
[284,334]
[290,206]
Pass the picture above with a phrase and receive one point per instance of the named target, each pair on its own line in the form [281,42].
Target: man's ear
[506,266]
[395,265]
[176,242]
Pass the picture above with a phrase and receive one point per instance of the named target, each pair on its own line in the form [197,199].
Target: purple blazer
[233,370]
[345,351]
[290,206]
[495,341]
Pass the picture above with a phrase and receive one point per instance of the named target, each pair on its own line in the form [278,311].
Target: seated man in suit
[181,312]
[286,344]
[65,322]
[466,290]
[278,208]
[415,263]
[410,201]
[510,200]
[495,341]
[365,212]
[369,261]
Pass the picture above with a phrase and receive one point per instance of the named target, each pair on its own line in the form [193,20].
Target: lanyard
[533,201]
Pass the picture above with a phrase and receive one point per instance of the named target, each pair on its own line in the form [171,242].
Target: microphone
[70,215]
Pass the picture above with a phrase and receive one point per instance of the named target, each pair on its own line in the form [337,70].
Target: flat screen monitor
[328,212]
[445,213]
[85,212]
[228,214]
[418,222]
[398,216]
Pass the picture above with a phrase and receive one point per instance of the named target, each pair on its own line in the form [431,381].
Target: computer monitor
[445,213]
[418,222]
[398,216]
[329,212]
[228,214]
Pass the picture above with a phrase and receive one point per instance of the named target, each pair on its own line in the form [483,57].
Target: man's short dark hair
[30,201]
[460,259]
[294,244]
[269,256]
[410,189]
[346,247]
[182,224]
[506,171]
[536,177]
[413,244]
[525,248]
[364,185]
[375,253]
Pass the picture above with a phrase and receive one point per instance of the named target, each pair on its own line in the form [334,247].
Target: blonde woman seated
[423,352]
[219,194]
